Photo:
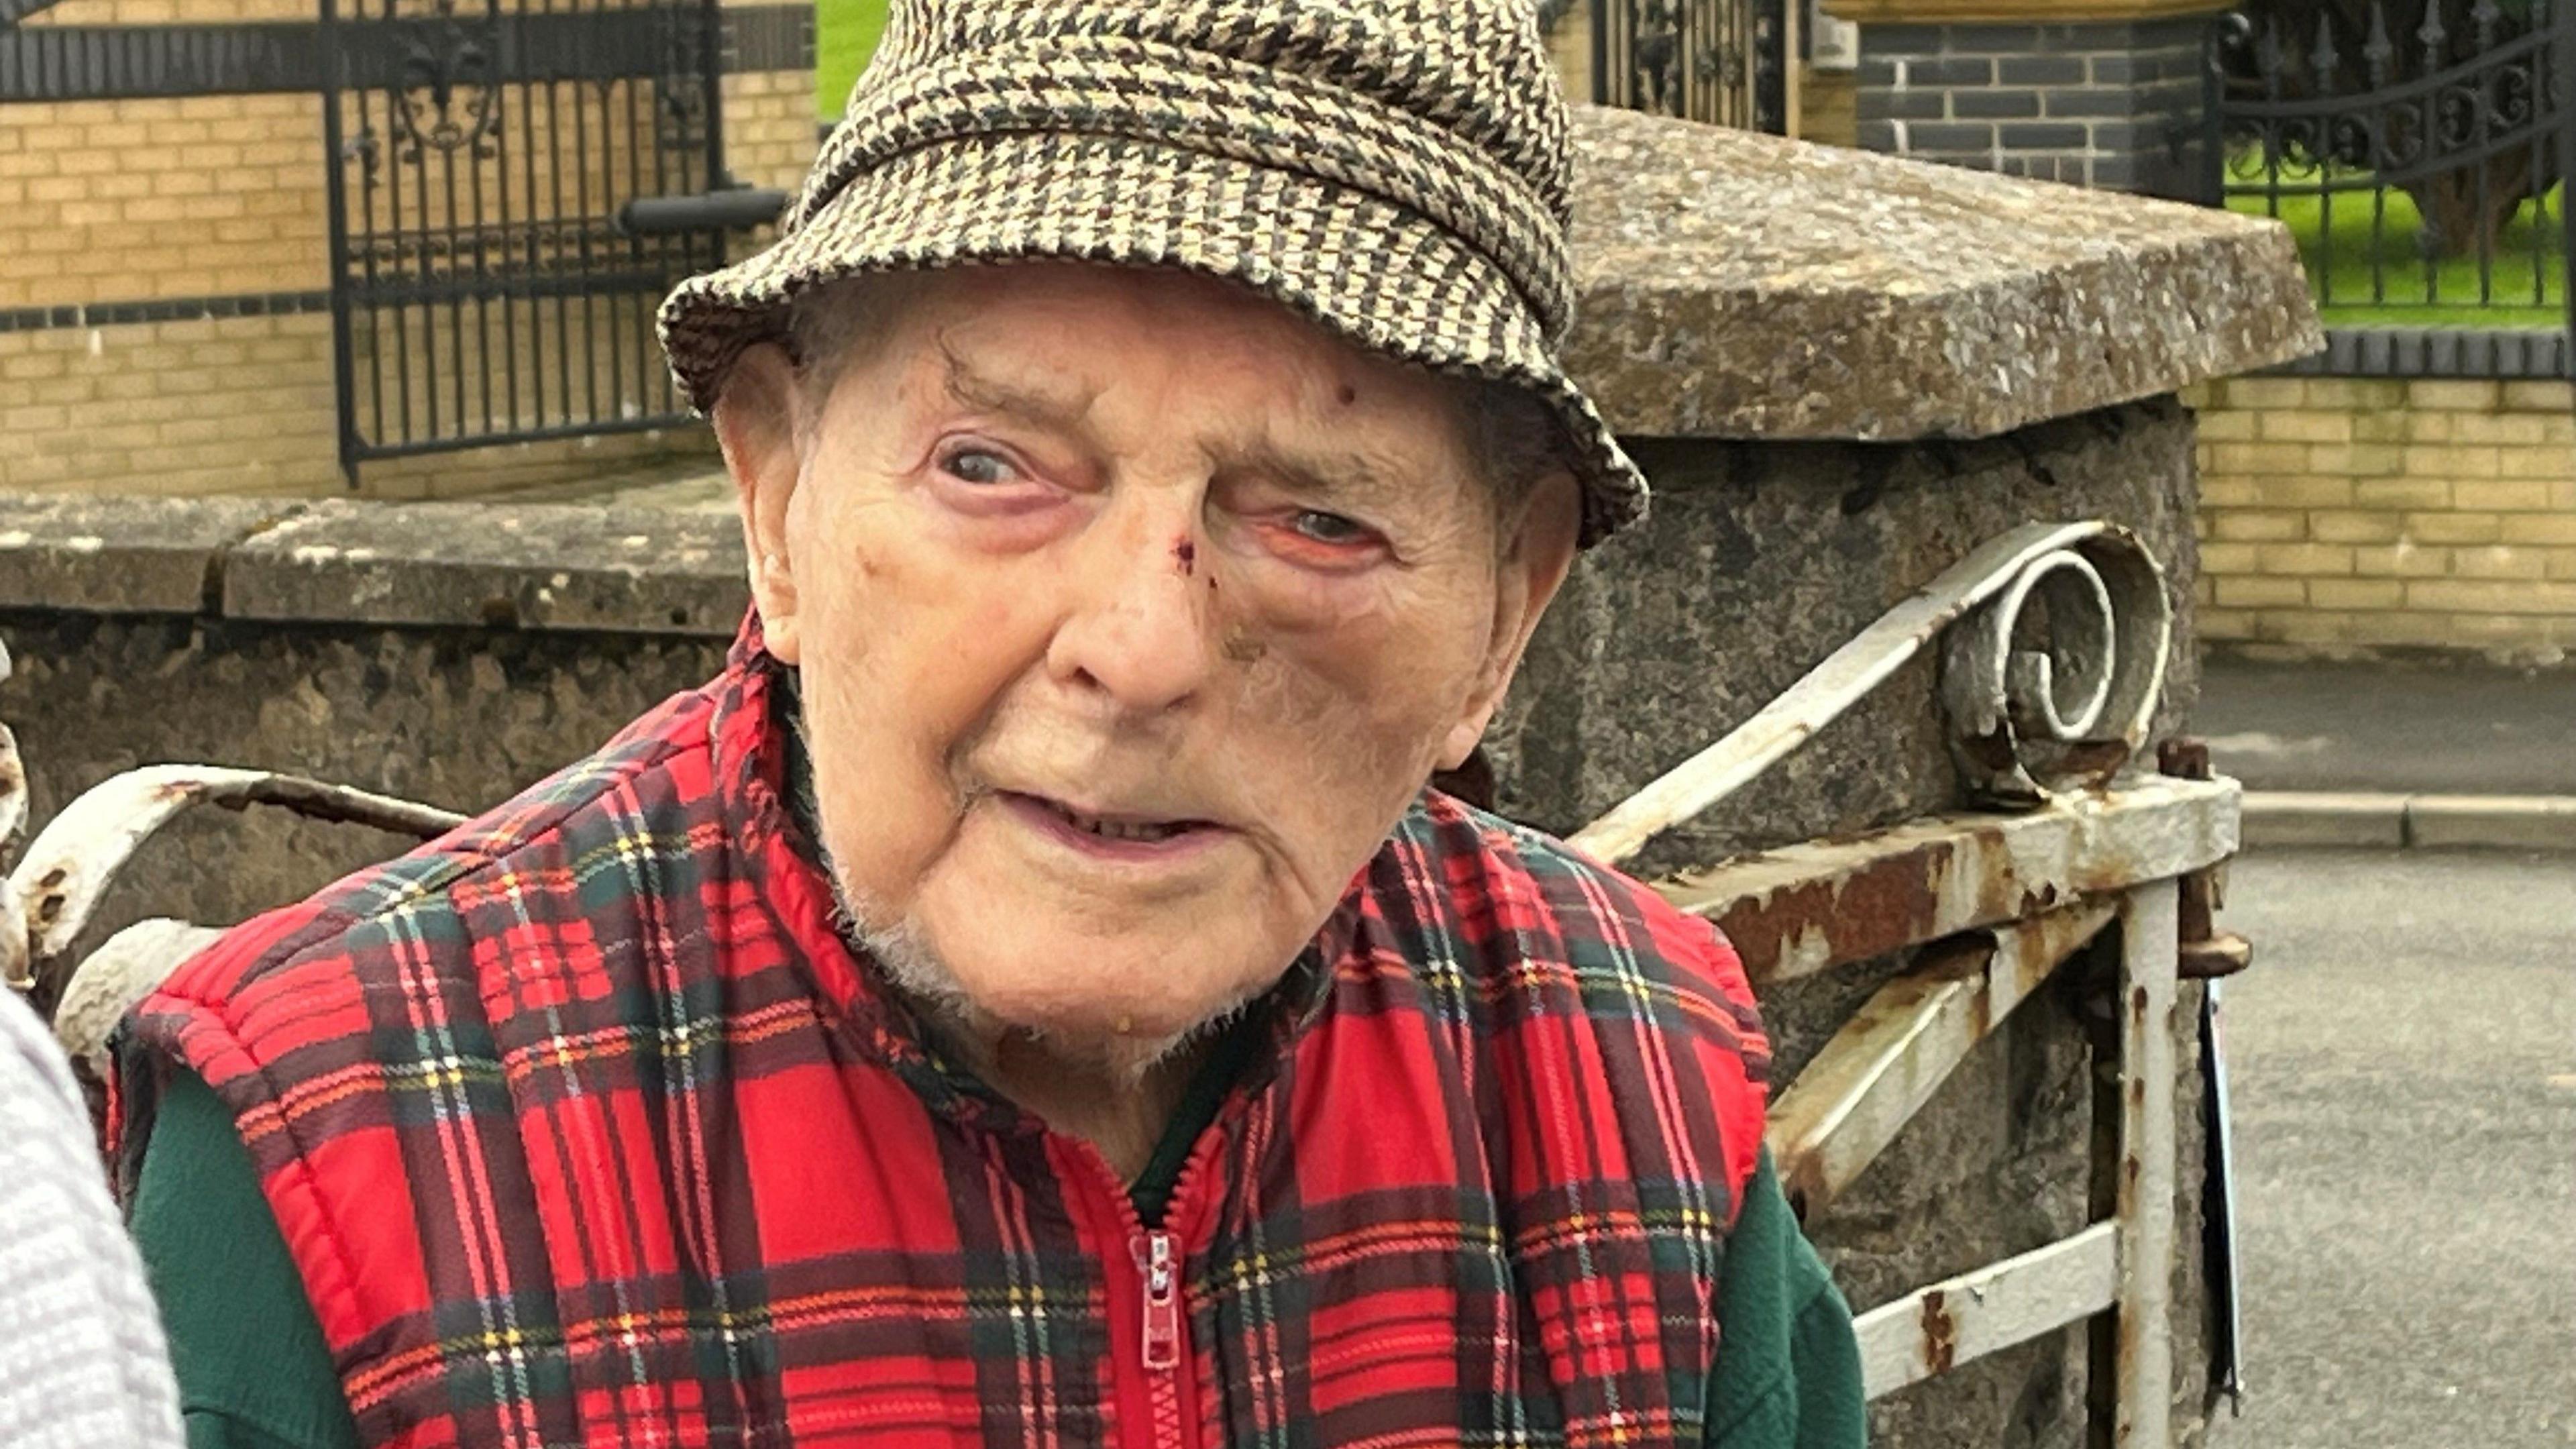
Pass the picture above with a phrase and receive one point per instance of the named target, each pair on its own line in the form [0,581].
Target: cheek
[890,604]
[1359,711]
[905,654]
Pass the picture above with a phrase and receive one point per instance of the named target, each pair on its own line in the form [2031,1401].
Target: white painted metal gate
[2054,642]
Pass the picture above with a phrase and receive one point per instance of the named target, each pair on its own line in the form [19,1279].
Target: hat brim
[1379,275]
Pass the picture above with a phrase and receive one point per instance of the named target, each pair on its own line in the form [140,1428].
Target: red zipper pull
[1162,1301]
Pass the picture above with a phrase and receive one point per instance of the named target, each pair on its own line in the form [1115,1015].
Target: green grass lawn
[2367,274]
[845,35]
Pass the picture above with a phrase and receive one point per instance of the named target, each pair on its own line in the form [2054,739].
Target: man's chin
[1101,1008]
[1113,1003]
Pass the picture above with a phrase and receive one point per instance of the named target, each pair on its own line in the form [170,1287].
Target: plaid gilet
[584,1126]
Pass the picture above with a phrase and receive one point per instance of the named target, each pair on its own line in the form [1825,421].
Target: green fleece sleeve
[253,1370]
[1788,1369]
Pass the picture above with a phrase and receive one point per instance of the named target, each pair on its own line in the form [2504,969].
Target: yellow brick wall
[769,127]
[166,12]
[123,201]
[230,405]
[119,201]
[1828,106]
[1571,46]
[2345,515]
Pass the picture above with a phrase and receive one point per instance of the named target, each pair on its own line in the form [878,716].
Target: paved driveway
[2405,1057]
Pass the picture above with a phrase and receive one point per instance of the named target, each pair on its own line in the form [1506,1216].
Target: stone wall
[482,654]
[2343,516]
[165,275]
[2114,104]
[455,653]
[1757,560]
[1841,371]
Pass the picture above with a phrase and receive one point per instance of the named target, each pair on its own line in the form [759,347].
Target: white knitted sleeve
[84,1365]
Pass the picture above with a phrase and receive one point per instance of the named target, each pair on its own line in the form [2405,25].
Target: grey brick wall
[2111,104]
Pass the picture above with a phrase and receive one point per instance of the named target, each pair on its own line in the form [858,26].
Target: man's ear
[757,422]
[1538,552]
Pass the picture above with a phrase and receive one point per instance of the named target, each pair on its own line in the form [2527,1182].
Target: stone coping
[487,564]
[1737,285]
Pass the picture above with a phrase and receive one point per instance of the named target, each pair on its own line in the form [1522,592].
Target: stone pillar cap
[1736,285]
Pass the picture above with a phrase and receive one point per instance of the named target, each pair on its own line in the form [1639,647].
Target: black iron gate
[1721,61]
[2417,151]
[514,184]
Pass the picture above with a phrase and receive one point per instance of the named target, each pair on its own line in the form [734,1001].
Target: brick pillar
[2116,102]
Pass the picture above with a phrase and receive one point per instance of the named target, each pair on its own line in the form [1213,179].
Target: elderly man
[1032,996]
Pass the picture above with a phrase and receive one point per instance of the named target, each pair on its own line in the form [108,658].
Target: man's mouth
[1113,830]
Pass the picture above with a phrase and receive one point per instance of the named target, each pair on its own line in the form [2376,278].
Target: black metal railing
[2416,148]
[1721,61]
[492,280]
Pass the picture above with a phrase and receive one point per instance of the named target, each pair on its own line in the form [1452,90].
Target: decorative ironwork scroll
[448,97]
[2051,685]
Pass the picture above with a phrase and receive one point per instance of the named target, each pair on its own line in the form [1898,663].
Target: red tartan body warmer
[585,1127]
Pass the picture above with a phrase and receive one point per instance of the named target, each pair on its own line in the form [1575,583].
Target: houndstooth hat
[1395,169]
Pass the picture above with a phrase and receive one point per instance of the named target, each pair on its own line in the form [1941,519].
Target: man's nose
[1138,629]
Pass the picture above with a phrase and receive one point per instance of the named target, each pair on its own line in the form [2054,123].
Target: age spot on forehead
[1349,395]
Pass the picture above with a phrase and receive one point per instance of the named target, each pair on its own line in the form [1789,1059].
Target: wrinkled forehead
[1070,347]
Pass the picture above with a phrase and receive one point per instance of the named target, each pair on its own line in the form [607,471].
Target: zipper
[1162,1327]
[1162,1340]
[1155,1386]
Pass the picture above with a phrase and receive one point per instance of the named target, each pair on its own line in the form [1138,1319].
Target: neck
[1121,1109]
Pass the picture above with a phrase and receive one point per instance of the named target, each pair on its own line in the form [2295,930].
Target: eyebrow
[1341,478]
[1065,410]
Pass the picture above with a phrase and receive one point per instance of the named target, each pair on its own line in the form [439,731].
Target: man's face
[1131,611]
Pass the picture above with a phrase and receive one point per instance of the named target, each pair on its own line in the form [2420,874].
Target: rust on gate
[2207,952]
[1892,1056]
[1806,908]
[1940,1333]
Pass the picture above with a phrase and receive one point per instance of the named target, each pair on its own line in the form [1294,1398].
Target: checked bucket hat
[1395,169]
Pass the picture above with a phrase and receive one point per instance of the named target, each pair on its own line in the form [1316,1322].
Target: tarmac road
[2438,729]
[2404,1053]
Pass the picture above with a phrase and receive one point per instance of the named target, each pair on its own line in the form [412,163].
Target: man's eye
[979,465]
[1327,527]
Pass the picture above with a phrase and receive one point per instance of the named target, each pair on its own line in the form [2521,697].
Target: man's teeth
[1119,830]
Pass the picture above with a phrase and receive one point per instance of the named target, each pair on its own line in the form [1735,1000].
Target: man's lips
[1107,834]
